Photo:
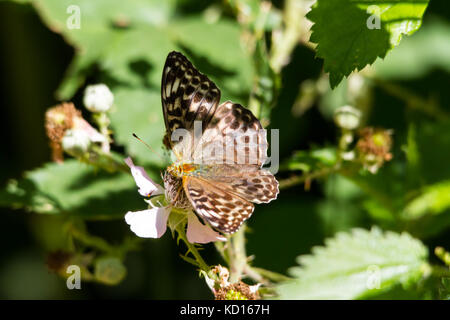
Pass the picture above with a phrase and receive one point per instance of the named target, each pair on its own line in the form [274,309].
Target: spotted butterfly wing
[187,96]
[225,201]
[231,150]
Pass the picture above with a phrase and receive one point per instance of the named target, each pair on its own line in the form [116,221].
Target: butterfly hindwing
[217,204]
[247,181]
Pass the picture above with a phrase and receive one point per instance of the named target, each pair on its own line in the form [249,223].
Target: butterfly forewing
[187,96]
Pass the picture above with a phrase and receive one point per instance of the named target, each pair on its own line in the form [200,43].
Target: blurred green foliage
[259,55]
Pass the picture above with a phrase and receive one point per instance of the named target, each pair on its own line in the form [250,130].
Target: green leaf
[135,55]
[344,40]
[418,55]
[125,44]
[98,39]
[355,265]
[216,50]
[434,199]
[74,188]
[139,111]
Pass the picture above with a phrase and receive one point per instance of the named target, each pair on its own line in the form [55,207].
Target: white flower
[200,233]
[98,98]
[347,117]
[146,185]
[221,286]
[152,223]
[76,141]
[92,133]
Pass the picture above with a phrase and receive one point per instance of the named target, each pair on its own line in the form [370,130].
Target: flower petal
[210,282]
[93,134]
[150,223]
[146,185]
[200,233]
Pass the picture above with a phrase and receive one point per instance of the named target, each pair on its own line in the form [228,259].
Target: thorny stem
[220,247]
[192,249]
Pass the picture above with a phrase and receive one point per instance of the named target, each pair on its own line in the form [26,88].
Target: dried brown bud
[58,260]
[224,290]
[374,146]
[58,119]
[62,118]
[237,291]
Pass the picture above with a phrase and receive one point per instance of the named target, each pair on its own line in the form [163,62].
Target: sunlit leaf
[357,264]
[73,188]
[345,41]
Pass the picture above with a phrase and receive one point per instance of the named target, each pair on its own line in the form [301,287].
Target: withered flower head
[63,119]
[224,290]
[58,260]
[237,291]
[374,146]
[58,119]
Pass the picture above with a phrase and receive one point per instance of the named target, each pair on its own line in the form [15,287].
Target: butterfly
[219,149]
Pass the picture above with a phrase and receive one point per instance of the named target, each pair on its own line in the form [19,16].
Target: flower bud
[374,146]
[347,117]
[98,98]
[109,270]
[76,142]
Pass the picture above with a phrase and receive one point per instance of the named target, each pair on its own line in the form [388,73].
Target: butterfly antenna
[148,146]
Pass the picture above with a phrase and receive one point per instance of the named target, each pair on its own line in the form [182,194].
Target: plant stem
[103,123]
[292,181]
[237,255]
[107,161]
[428,106]
[90,240]
[267,274]
[192,248]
